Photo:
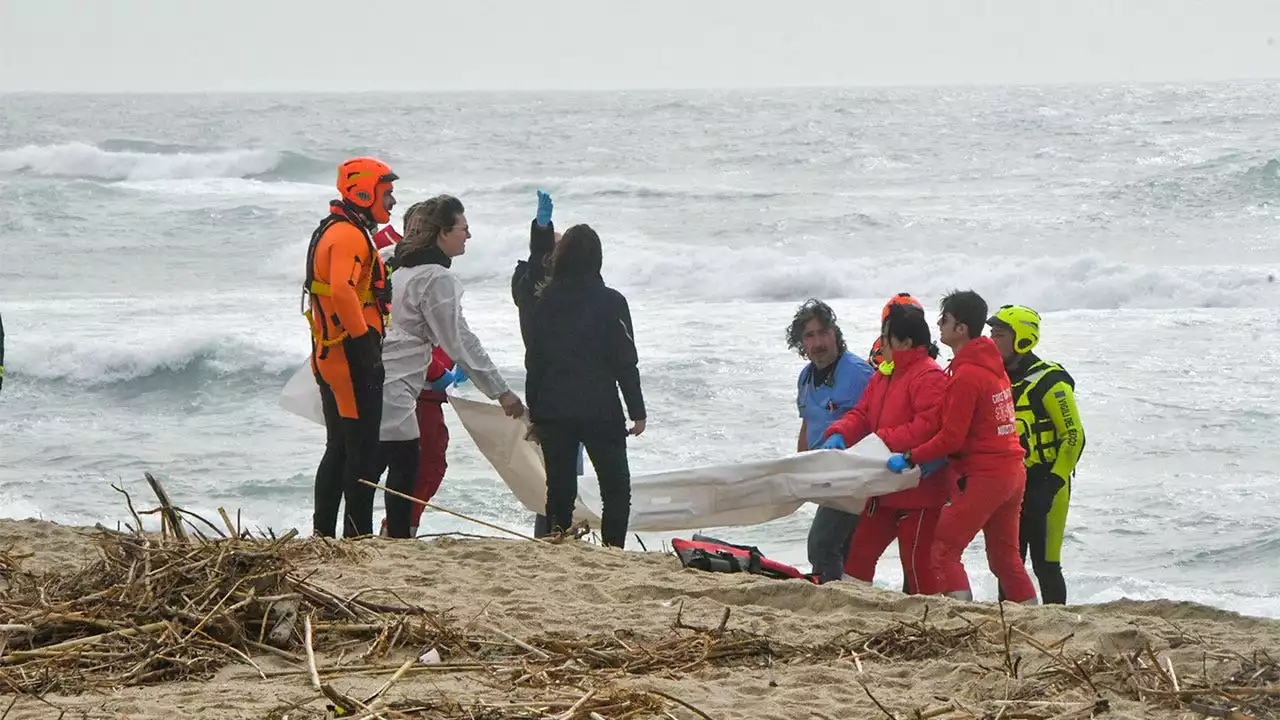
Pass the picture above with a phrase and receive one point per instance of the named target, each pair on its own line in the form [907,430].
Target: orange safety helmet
[899,299]
[363,182]
[876,356]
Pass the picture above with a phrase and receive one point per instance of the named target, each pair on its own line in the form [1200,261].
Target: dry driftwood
[156,608]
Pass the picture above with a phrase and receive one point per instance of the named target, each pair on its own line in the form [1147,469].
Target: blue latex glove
[544,209]
[932,467]
[835,442]
[443,382]
[448,379]
[459,377]
[897,463]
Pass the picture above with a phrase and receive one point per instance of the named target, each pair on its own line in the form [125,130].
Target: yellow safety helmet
[1023,321]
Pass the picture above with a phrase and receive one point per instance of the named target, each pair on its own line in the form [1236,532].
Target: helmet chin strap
[364,215]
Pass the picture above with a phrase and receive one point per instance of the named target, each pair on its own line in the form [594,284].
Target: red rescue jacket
[979,434]
[903,410]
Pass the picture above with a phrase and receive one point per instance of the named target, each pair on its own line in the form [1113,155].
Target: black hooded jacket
[580,350]
[529,274]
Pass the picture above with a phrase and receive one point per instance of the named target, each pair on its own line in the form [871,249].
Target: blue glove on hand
[459,377]
[448,379]
[932,467]
[544,209]
[835,442]
[443,382]
[897,463]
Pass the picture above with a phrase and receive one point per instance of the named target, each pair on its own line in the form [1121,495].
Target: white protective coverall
[426,311]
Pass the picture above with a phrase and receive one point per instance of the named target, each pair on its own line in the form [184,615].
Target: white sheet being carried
[301,395]
[499,438]
[746,493]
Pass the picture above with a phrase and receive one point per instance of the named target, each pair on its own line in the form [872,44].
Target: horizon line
[658,89]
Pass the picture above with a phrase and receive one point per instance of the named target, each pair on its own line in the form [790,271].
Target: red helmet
[899,299]
[363,182]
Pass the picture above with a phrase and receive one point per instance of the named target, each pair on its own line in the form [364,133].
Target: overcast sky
[278,45]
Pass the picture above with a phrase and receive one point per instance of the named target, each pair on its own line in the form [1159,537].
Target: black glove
[1042,486]
[382,295]
[364,357]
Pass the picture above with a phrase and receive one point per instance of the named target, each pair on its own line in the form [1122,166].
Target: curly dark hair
[811,310]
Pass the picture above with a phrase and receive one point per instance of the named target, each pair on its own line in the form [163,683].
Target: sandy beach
[573,630]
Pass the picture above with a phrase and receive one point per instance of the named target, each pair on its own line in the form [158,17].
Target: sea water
[152,250]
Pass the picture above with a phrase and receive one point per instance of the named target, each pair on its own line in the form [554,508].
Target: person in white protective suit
[426,311]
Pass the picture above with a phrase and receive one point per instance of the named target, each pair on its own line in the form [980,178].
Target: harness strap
[325,290]
[312,288]
[1041,437]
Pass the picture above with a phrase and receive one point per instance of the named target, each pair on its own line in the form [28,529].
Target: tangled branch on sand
[164,607]
[596,703]
[921,640]
[150,610]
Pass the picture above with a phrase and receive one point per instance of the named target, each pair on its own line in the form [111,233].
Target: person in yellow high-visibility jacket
[1052,437]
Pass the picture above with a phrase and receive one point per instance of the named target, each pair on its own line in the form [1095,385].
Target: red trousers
[914,530]
[433,443]
[994,506]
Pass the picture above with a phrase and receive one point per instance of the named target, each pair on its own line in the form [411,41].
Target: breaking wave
[146,161]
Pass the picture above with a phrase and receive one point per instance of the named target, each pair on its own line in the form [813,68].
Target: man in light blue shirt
[828,387]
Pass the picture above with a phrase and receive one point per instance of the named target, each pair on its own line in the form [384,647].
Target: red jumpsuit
[902,409]
[980,437]
[433,436]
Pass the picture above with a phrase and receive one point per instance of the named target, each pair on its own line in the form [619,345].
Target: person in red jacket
[901,406]
[980,437]
[433,434]
[876,356]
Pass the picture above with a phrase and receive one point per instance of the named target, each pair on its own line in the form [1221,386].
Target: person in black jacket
[532,273]
[580,351]
[1,353]
[529,275]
